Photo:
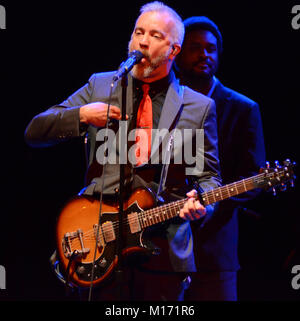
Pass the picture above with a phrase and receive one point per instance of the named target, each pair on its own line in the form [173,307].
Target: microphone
[133,58]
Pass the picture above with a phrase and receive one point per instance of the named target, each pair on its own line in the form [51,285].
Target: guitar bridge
[70,244]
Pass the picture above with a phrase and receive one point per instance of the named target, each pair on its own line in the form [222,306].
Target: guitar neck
[171,210]
[229,190]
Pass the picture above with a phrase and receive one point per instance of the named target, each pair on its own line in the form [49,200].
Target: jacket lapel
[170,110]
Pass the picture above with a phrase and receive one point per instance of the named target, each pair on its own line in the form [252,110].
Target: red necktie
[144,128]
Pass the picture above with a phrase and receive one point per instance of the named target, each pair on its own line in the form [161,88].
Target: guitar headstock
[277,176]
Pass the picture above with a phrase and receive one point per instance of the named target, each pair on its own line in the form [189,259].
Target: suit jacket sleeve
[252,156]
[210,177]
[251,151]
[60,122]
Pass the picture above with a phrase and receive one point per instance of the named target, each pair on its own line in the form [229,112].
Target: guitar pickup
[106,233]
[100,238]
[70,245]
[134,223]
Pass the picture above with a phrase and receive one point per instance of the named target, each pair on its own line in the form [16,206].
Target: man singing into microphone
[158,35]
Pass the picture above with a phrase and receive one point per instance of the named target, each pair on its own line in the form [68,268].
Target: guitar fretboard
[171,210]
[229,190]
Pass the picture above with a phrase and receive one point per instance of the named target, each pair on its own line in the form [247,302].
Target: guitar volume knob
[103,263]
[81,269]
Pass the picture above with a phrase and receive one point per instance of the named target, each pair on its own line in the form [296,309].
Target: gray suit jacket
[193,110]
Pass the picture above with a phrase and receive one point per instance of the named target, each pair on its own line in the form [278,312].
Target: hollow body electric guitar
[80,240]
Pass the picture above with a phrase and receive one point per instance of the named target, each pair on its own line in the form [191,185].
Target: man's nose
[144,41]
[203,53]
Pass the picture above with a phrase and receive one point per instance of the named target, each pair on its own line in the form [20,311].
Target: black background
[51,48]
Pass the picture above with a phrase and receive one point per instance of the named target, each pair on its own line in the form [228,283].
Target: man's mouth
[146,58]
[202,64]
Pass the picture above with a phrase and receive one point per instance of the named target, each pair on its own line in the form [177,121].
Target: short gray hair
[178,34]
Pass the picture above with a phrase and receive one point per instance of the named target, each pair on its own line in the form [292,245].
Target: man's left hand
[192,209]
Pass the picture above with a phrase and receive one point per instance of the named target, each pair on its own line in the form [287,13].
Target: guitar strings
[145,215]
[90,234]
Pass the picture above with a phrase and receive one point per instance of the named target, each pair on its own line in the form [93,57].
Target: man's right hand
[95,114]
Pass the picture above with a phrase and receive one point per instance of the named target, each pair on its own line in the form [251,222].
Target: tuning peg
[283,187]
[292,183]
[266,170]
[277,165]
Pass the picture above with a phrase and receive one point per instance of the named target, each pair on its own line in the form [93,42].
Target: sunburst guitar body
[81,240]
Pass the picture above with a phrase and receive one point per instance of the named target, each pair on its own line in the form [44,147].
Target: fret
[209,198]
[150,217]
[232,190]
[173,210]
[164,214]
[212,197]
[144,219]
[141,220]
[235,185]
[155,215]
[244,185]
[167,211]
[204,198]
[220,196]
[170,210]
[178,209]
[228,191]
[250,184]
[174,207]
[213,194]
[240,188]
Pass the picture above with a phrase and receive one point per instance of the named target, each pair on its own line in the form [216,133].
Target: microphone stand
[120,244]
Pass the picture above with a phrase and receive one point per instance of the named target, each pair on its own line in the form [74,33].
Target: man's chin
[202,74]
[141,71]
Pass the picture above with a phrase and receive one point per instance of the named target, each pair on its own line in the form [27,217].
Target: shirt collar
[156,87]
[215,81]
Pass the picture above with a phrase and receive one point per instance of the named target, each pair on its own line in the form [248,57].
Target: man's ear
[176,48]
